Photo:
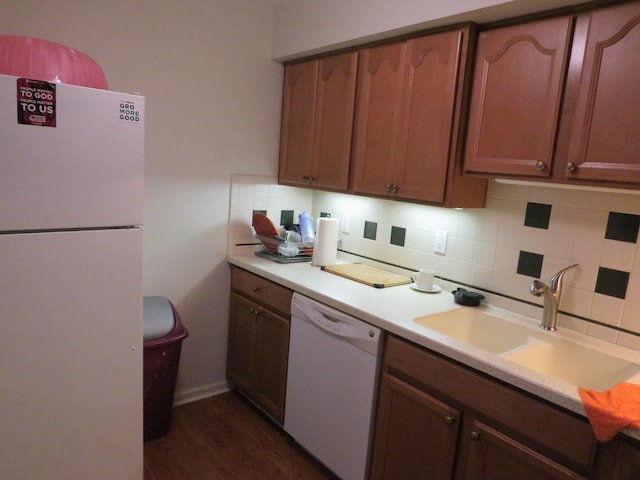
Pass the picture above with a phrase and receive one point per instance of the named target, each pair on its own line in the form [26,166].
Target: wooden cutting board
[368,275]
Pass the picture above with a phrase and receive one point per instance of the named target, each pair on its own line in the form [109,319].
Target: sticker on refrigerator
[129,112]
[36,102]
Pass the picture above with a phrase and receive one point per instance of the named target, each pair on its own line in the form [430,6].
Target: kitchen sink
[546,353]
[482,330]
[575,364]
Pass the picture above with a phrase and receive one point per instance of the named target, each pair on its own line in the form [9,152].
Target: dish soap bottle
[306,229]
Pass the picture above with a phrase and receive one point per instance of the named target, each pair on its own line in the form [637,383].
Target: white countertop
[393,309]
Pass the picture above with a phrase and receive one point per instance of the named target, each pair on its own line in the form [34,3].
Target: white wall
[212,109]
[303,27]
[213,106]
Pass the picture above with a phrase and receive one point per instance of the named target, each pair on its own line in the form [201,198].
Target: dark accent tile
[325,215]
[370,230]
[612,282]
[398,235]
[264,212]
[537,215]
[623,227]
[286,217]
[530,264]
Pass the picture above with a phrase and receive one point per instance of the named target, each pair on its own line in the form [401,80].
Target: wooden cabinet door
[334,121]
[495,456]
[241,343]
[297,123]
[408,108]
[515,101]
[317,122]
[426,116]
[258,344]
[415,435]
[605,135]
[381,73]
[271,357]
[618,460]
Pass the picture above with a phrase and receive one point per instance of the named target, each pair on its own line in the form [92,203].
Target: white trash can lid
[158,317]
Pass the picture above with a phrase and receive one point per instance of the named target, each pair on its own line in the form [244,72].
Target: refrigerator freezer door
[71,355]
[87,171]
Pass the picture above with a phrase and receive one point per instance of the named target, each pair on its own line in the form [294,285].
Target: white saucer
[435,289]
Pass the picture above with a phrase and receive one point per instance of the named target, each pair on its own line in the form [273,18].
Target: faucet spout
[551,293]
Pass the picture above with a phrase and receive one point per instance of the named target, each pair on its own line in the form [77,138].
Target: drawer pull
[475,436]
[256,289]
[540,165]
[449,419]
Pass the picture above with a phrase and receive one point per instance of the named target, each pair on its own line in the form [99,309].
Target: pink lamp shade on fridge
[49,61]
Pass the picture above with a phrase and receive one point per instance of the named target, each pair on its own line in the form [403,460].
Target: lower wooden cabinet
[619,460]
[258,342]
[438,420]
[495,455]
[416,434]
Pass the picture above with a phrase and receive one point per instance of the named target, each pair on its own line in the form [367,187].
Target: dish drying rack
[267,232]
[270,250]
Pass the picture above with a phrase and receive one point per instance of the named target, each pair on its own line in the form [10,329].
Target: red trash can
[163,335]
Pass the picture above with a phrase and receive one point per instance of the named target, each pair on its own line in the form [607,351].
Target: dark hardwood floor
[225,437]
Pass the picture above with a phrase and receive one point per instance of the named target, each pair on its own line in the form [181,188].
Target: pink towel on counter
[614,410]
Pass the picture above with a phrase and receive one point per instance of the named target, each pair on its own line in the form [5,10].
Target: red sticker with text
[36,102]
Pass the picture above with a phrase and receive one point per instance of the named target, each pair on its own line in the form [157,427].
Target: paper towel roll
[326,247]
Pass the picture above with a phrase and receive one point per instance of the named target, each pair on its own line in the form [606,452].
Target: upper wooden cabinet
[515,103]
[407,121]
[317,122]
[536,113]
[603,97]
[381,77]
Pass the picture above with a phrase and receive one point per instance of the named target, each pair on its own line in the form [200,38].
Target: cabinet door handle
[449,419]
[254,311]
[391,188]
[475,436]
[307,179]
[540,165]
[571,167]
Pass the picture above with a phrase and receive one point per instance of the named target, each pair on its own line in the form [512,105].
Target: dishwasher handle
[336,327]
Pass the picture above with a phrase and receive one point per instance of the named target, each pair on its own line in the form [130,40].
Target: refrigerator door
[85,172]
[71,355]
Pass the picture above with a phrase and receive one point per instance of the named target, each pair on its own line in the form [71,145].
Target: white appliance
[71,404]
[331,385]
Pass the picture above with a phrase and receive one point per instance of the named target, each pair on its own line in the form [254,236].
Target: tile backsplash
[525,232]
[256,193]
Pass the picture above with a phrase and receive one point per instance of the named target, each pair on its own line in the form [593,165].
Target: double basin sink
[546,353]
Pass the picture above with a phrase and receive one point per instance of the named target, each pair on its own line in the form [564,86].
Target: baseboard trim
[198,393]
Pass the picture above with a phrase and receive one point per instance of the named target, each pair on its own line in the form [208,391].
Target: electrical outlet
[344,223]
[441,242]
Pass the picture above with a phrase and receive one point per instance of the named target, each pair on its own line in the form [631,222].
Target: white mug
[424,278]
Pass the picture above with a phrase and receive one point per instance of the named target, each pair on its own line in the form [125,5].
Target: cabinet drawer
[557,434]
[262,290]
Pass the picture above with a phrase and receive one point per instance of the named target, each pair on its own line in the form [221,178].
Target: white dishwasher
[331,385]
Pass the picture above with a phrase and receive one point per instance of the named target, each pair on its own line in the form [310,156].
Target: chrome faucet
[551,294]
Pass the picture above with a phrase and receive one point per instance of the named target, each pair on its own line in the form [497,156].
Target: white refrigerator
[71,190]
